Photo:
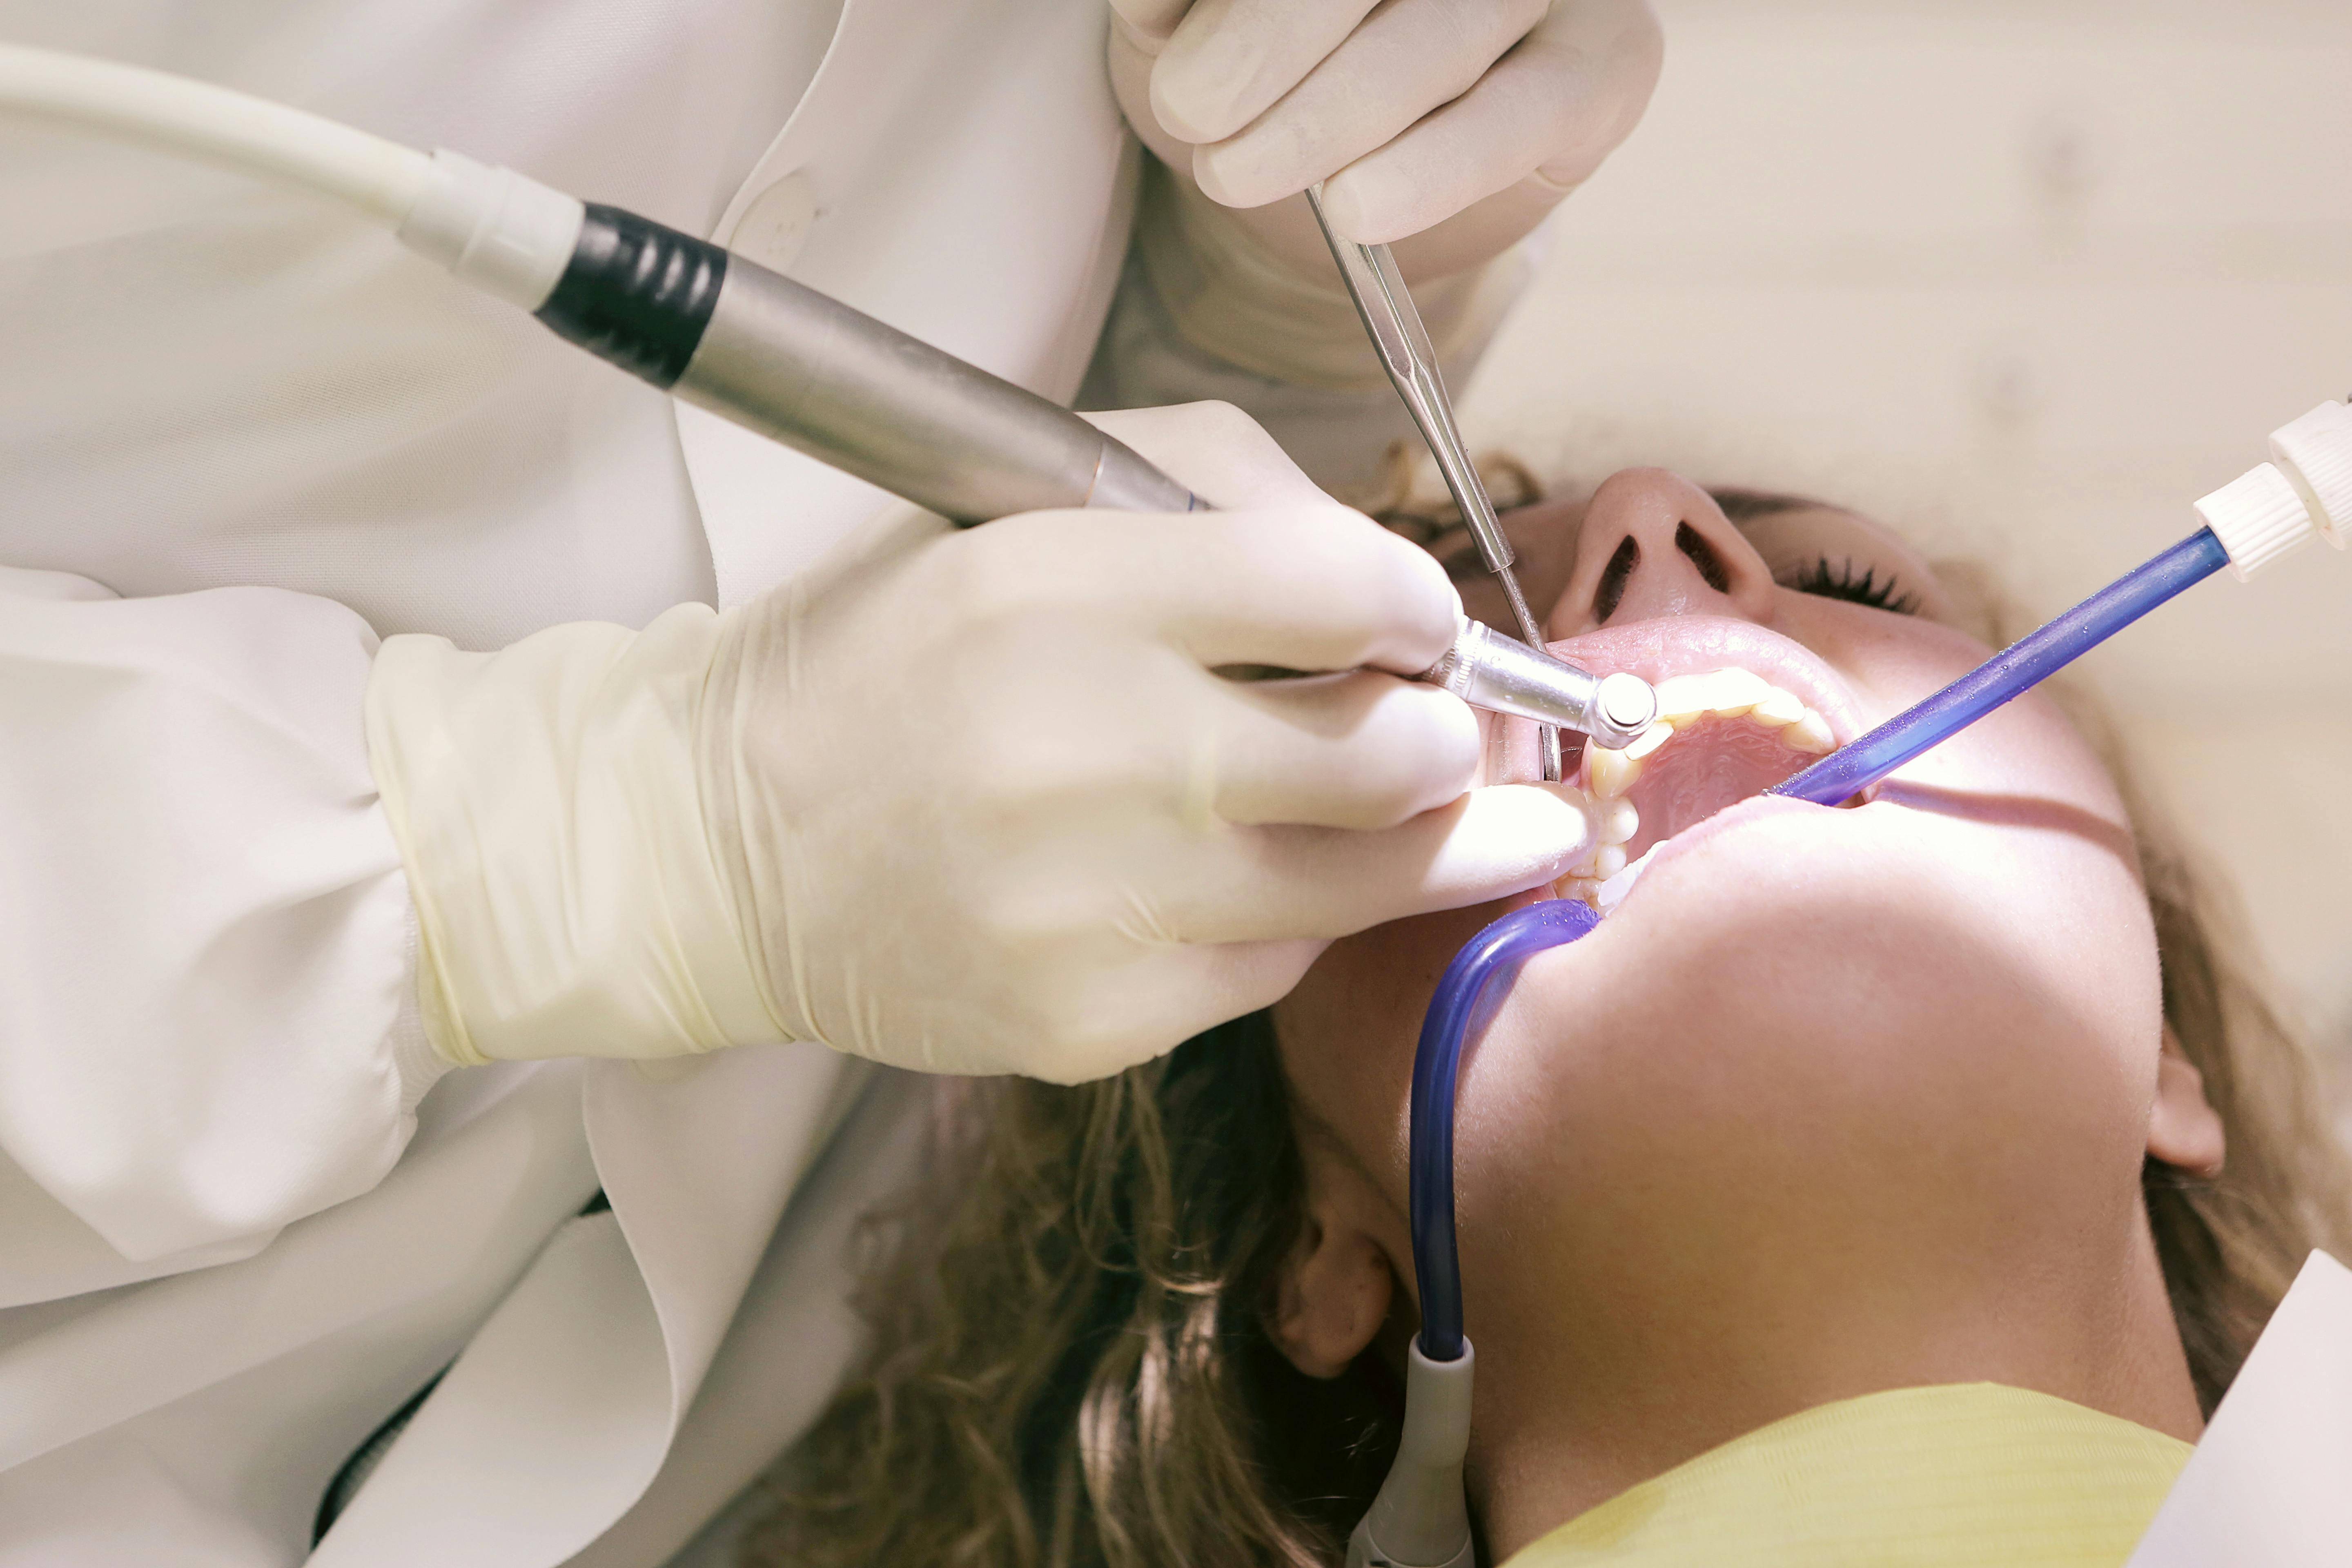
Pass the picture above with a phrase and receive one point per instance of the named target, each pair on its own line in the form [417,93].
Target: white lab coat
[241,437]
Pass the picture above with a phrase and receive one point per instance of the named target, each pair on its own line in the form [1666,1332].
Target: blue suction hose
[1473,986]
[2007,674]
[1480,976]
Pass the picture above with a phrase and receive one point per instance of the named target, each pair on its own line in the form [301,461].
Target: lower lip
[1755,809]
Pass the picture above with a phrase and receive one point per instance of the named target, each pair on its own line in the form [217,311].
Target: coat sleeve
[1204,312]
[207,949]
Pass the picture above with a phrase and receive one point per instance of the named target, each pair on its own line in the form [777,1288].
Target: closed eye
[1858,584]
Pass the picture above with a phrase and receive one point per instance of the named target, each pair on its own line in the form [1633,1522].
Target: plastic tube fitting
[504,233]
[2305,489]
[1419,1520]
[2315,455]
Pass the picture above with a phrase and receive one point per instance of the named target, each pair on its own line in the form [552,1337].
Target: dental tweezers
[1395,328]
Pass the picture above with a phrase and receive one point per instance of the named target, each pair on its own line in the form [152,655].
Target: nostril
[1693,543]
[1610,592]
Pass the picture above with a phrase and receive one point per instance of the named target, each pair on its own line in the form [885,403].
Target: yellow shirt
[1962,1476]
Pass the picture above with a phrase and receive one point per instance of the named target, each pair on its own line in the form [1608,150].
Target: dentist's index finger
[1230,60]
[1550,110]
[1283,884]
[1318,588]
[1405,60]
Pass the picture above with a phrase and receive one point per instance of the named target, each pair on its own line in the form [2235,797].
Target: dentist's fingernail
[1343,209]
[1192,106]
[1205,83]
[1238,175]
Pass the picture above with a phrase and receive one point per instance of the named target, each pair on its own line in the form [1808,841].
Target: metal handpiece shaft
[806,370]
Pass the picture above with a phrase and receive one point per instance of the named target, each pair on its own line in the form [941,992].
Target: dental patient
[1902,1181]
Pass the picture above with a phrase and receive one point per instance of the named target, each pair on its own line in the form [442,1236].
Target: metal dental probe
[1394,324]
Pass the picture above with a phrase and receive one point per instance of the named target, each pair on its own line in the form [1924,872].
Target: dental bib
[1958,1476]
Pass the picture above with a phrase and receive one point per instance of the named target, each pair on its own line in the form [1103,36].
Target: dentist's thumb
[1489,843]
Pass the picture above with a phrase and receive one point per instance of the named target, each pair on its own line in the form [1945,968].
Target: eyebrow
[1749,505]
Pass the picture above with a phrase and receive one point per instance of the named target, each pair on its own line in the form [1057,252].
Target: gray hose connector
[1419,1520]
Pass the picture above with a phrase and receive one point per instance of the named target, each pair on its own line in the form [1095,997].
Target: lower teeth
[1611,892]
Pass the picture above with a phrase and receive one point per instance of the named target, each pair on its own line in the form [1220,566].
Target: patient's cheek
[1348,1032]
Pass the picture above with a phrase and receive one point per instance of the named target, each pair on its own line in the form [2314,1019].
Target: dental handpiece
[800,368]
[728,335]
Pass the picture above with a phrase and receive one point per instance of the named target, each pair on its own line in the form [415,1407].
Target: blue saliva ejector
[2249,524]
[1420,1519]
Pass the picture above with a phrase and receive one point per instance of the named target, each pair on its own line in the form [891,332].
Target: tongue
[1714,763]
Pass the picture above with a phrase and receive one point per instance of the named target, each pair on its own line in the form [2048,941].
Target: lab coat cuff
[415,1062]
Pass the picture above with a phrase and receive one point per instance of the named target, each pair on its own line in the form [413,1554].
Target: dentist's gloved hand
[1466,119]
[959,801]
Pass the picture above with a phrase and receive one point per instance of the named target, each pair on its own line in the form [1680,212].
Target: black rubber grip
[636,293]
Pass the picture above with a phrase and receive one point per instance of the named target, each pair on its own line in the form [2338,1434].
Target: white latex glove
[1459,123]
[961,802]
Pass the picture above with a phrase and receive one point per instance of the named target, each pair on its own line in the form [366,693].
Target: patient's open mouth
[1720,738]
[1723,734]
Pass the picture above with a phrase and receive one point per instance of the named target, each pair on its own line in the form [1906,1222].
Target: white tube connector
[2257,517]
[2314,453]
[503,233]
[2305,490]
[1420,1519]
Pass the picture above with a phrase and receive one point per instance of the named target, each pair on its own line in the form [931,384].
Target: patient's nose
[1654,544]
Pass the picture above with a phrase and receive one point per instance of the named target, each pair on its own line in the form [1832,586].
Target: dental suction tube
[2008,674]
[1419,1519]
[2250,523]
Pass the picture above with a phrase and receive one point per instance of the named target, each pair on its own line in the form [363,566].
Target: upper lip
[1694,644]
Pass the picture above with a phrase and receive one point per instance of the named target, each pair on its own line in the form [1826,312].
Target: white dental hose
[381,178]
[492,227]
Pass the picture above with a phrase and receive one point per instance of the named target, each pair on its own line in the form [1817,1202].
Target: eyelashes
[1841,580]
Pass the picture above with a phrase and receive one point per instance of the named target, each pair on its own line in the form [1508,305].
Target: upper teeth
[1683,701]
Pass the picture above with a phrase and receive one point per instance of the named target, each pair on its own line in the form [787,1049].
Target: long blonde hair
[1072,1368]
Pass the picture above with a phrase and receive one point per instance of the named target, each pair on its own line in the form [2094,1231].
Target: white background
[2023,278]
